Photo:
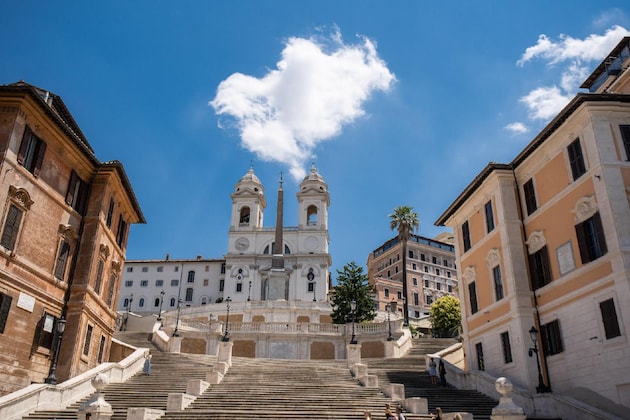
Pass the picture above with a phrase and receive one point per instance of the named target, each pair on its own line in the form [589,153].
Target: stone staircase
[410,371]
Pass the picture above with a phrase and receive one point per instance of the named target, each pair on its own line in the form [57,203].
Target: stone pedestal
[394,391]
[359,370]
[96,408]
[141,413]
[369,381]
[196,387]
[506,410]
[225,352]
[175,344]
[178,401]
[416,405]
[354,354]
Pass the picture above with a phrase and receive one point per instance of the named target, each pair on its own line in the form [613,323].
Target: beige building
[431,273]
[64,223]
[544,243]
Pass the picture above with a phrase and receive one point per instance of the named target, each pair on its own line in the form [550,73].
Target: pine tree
[352,285]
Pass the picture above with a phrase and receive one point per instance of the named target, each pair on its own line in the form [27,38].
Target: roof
[549,129]
[54,107]
[603,66]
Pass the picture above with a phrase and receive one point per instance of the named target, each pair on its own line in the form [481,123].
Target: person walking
[399,414]
[442,371]
[433,371]
[147,364]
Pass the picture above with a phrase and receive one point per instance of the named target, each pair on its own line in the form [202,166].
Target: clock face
[241,244]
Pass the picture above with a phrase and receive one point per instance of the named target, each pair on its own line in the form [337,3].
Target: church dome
[314,181]
[250,182]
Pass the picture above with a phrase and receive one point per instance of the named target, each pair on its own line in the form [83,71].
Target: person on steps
[433,371]
[147,364]
[442,371]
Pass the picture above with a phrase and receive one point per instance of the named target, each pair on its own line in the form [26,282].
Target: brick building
[64,222]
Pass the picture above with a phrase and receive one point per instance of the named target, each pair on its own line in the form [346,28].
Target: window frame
[540,268]
[497,282]
[551,337]
[591,239]
[466,242]
[472,297]
[489,213]
[506,347]
[576,159]
[610,319]
[529,195]
[31,153]
[625,139]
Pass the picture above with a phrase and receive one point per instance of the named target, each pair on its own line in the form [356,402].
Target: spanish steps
[279,389]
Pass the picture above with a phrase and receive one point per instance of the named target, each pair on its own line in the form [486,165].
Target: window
[466,236]
[160,269]
[204,300]
[129,269]
[239,287]
[576,159]
[426,269]
[311,287]
[448,274]
[159,283]
[386,293]
[45,331]
[429,299]
[5,307]
[206,282]
[399,295]
[416,299]
[88,338]
[110,213]
[507,349]
[77,193]
[410,253]
[530,197]
[99,276]
[434,260]
[128,283]
[110,290]
[489,217]
[191,277]
[144,283]
[625,135]
[472,296]
[244,217]
[11,227]
[415,281]
[422,257]
[414,266]
[121,233]
[126,303]
[539,268]
[222,268]
[62,260]
[311,216]
[438,285]
[189,294]
[145,269]
[479,350]
[221,285]
[101,348]
[172,302]
[498,282]
[591,240]
[609,318]
[437,271]
[156,302]
[31,153]
[450,288]
[551,338]
[445,263]
[174,283]
[176,269]
[426,283]
[141,303]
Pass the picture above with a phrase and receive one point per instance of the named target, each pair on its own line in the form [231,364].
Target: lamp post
[226,336]
[388,307]
[159,318]
[59,329]
[127,313]
[249,293]
[353,307]
[533,334]
[179,307]
[314,291]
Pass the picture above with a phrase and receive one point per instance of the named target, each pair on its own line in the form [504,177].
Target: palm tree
[405,220]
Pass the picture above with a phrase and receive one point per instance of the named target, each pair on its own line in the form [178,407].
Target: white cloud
[517,128]
[576,56]
[318,86]
[544,102]
[593,47]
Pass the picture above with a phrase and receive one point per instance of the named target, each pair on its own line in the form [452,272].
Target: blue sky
[399,102]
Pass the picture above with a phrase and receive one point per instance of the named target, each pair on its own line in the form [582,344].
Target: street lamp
[388,308]
[314,291]
[353,307]
[226,336]
[249,293]
[533,334]
[127,313]
[179,307]
[159,318]
[59,329]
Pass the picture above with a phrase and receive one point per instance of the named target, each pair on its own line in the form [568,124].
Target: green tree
[446,316]
[405,220]
[352,285]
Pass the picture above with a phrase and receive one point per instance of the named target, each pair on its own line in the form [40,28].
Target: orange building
[543,247]
[431,273]
[64,223]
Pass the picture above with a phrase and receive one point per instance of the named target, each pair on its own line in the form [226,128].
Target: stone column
[96,408]
[506,410]
[354,354]
[225,352]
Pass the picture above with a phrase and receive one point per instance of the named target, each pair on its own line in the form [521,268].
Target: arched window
[189,294]
[191,276]
[311,216]
[204,300]
[156,302]
[141,303]
[126,303]
[244,216]
[172,303]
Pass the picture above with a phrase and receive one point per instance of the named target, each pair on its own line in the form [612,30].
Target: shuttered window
[31,153]
[62,260]
[11,227]
[591,240]
[609,318]
[5,307]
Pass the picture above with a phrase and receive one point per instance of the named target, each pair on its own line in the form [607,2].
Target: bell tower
[248,203]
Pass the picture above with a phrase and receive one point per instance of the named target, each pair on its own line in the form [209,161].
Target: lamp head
[533,334]
[353,305]
[61,325]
